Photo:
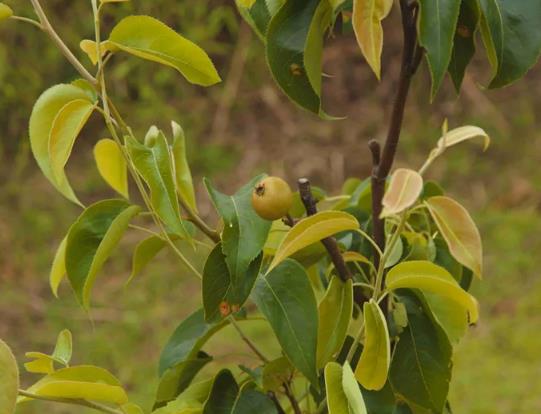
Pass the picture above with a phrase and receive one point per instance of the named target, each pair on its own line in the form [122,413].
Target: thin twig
[48,28]
[292,400]
[247,340]
[27,20]
[84,403]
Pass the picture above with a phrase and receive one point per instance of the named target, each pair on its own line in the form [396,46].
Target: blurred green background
[243,126]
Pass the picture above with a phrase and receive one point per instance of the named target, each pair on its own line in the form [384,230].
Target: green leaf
[150,39]
[222,394]
[343,393]
[177,379]
[448,314]
[259,14]
[276,373]
[216,283]
[367,17]
[244,233]
[5,13]
[459,231]
[58,268]
[80,382]
[40,363]
[294,50]
[372,369]
[337,402]
[187,340]
[404,189]
[9,380]
[335,312]
[511,36]
[428,277]
[461,134]
[183,175]
[421,367]
[464,41]
[91,240]
[64,345]
[153,163]
[352,391]
[246,3]
[251,401]
[190,401]
[67,125]
[144,252]
[131,408]
[55,119]
[311,230]
[438,19]
[112,165]
[286,299]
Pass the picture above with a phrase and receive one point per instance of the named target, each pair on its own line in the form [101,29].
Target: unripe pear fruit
[272,198]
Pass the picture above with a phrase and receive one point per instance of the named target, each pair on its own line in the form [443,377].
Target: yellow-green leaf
[58,268]
[459,231]
[352,391]
[64,345]
[9,379]
[53,110]
[373,366]
[337,402]
[404,189]
[64,131]
[311,230]
[428,277]
[183,175]
[276,373]
[150,39]
[39,365]
[144,253]
[112,165]
[367,17]
[463,133]
[334,315]
[246,3]
[5,12]
[80,382]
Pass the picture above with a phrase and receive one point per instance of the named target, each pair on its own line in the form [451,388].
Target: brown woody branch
[382,163]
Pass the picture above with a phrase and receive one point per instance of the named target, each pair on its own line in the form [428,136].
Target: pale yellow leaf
[404,190]
[463,133]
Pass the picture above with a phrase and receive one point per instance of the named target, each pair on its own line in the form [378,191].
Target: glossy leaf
[150,39]
[372,369]
[352,391]
[335,312]
[437,23]
[187,340]
[448,314]
[428,277]
[153,163]
[80,382]
[337,402]
[5,13]
[9,380]
[511,36]
[64,345]
[367,17]
[91,240]
[250,400]
[294,50]
[286,299]
[183,175]
[144,252]
[259,13]
[459,231]
[58,268]
[461,134]
[404,189]
[244,233]
[223,394]
[112,165]
[421,367]
[51,117]
[464,41]
[311,230]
